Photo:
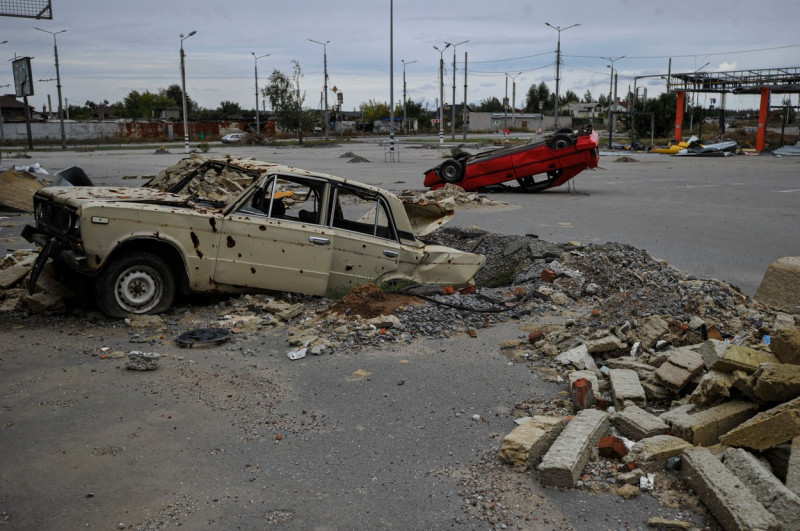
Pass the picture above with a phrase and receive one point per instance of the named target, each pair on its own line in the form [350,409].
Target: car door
[266,242]
[366,246]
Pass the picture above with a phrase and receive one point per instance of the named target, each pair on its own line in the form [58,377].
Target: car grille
[54,216]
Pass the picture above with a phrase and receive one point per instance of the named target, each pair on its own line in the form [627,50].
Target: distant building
[14,110]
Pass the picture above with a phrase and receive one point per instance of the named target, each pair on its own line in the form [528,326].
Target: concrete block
[578,357]
[656,392]
[721,356]
[527,443]
[705,426]
[679,369]
[793,469]
[635,423]
[605,344]
[780,287]
[651,454]
[625,386]
[773,495]
[776,382]
[15,273]
[728,499]
[785,345]
[643,370]
[767,429]
[561,466]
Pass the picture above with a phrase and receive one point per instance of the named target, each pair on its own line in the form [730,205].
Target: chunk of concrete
[528,442]
[679,369]
[578,357]
[142,361]
[635,423]
[793,469]
[561,466]
[767,429]
[651,454]
[714,387]
[776,382]
[652,330]
[780,287]
[728,499]
[722,356]
[643,370]
[608,343]
[705,426]
[16,271]
[785,344]
[773,495]
[625,386]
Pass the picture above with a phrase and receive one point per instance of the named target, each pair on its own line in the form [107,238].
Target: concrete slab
[561,466]
[705,426]
[625,386]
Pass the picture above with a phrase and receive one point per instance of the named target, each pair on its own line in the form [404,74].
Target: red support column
[761,134]
[679,115]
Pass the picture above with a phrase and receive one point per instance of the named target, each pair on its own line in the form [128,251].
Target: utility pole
[441,91]
[58,86]
[325,82]
[611,99]
[391,81]
[183,85]
[256,58]
[559,29]
[513,93]
[453,125]
[405,100]
[464,125]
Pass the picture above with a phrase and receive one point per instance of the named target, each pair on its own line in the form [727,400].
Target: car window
[362,211]
[289,198]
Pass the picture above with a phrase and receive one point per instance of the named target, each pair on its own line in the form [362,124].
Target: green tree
[175,93]
[536,94]
[372,110]
[229,108]
[142,104]
[415,109]
[664,109]
[490,105]
[587,97]
[570,97]
[283,93]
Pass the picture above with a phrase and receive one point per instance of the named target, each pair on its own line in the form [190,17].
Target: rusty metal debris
[203,336]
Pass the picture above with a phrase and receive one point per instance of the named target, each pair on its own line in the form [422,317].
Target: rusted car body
[535,166]
[238,225]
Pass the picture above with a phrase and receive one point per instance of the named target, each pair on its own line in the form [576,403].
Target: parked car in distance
[535,166]
[233,225]
[233,138]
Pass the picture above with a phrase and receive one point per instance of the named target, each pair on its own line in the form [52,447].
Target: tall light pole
[559,29]
[58,86]
[183,90]
[441,91]
[513,93]
[453,125]
[611,101]
[2,132]
[405,100]
[325,81]
[255,59]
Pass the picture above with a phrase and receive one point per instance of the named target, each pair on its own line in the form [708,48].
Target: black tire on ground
[136,283]
[451,171]
[559,141]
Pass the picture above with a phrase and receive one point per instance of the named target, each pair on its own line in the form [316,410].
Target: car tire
[451,171]
[136,283]
[559,141]
[462,156]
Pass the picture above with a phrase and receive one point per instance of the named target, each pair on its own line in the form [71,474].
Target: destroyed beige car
[214,225]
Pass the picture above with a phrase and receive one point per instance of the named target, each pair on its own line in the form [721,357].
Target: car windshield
[213,182]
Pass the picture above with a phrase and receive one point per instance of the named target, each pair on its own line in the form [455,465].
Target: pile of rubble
[449,196]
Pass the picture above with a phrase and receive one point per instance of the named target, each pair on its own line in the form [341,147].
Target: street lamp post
[441,91]
[2,132]
[183,90]
[453,125]
[513,93]
[255,60]
[325,82]
[58,86]
[559,29]
[405,100]
[611,99]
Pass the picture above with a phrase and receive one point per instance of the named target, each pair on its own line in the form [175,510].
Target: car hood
[76,196]
[425,217]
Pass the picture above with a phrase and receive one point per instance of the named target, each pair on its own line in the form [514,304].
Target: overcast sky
[112,47]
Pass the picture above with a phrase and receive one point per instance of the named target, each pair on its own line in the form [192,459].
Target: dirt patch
[368,301]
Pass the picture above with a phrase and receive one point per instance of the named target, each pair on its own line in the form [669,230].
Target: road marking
[701,185]
[786,191]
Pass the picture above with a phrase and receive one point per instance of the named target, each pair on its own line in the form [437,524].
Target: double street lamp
[325,82]
[405,99]
[256,58]
[183,90]
[611,98]
[453,125]
[58,86]
[559,29]
[441,91]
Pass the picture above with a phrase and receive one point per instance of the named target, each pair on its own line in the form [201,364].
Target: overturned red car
[536,166]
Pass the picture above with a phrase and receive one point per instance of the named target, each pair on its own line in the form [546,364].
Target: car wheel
[462,156]
[559,141]
[451,171]
[137,283]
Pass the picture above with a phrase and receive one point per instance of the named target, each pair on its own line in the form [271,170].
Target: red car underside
[535,166]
